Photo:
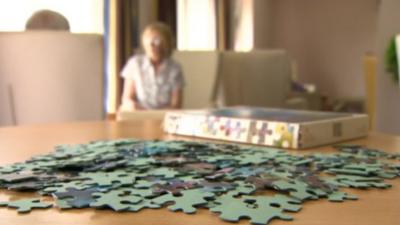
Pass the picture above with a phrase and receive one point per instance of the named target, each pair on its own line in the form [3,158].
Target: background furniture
[200,69]
[256,78]
[50,76]
[228,78]
[384,204]
[217,79]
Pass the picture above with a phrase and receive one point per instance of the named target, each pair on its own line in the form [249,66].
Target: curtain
[121,38]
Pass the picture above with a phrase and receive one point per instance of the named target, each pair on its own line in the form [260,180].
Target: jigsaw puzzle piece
[145,203]
[117,200]
[216,187]
[26,205]
[26,186]
[148,182]
[279,201]
[253,159]
[79,198]
[63,203]
[18,177]
[258,211]
[186,202]
[298,189]
[62,187]
[199,168]
[173,186]
[244,172]
[361,182]
[137,162]
[10,168]
[262,182]
[144,193]
[164,172]
[242,188]
[339,196]
[104,179]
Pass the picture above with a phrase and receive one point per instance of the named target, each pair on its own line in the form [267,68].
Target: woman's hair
[165,32]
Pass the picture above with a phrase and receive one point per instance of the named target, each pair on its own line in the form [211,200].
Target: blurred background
[335,50]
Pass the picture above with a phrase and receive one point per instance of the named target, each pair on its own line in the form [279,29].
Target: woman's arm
[129,96]
[176,98]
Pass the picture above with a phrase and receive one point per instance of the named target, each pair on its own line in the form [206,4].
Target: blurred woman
[153,80]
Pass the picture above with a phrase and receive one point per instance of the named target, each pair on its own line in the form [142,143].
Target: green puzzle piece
[242,188]
[215,158]
[142,184]
[258,209]
[108,178]
[26,205]
[164,172]
[340,197]
[142,205]
[256,158]
[116,200]
[175,145]
[186,202]
[350,171]
[63,203]
[144,193]
[298,189]
[280,201]
[141,162]
[62,187]
[361,182]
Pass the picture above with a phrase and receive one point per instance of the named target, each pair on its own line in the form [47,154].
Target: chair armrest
[303,100]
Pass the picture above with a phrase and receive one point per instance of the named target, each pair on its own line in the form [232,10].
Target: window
[243,24]
[196,25]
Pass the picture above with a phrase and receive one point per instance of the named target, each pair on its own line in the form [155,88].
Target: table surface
[20,143]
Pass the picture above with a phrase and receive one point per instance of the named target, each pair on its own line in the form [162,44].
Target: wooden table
[19,143]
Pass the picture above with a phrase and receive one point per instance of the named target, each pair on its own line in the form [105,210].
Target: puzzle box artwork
[266,126]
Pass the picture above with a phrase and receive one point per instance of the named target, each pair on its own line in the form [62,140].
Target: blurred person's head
[157,41]
[47,20]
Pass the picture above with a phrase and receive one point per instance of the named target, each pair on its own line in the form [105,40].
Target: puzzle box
[267,126]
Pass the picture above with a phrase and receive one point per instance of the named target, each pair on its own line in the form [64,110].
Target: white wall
[327,39]
[388,92]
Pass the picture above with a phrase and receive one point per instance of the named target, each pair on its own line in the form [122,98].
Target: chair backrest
[257,78]
[51,76]
[200,70]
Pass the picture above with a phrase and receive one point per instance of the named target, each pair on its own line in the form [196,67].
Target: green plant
[391,62]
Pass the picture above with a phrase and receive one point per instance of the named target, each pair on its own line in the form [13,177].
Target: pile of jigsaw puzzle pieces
[130,175]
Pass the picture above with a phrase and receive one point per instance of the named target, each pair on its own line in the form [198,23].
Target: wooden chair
[200,69]
[258,78]
[50,76]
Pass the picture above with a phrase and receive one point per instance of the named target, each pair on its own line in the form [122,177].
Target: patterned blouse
[153,91]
